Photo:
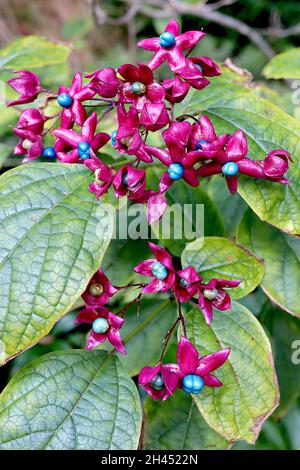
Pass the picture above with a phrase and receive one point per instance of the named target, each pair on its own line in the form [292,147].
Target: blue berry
[157,382]
[199,67]
[175,171]
[199,144]
[113,138]
[64,100]
[138,88]
[125,179]
[167,39]
[100,325]
[230,169]
[83,147]
[184,282]
[192,384]
[159,271]
[49,153]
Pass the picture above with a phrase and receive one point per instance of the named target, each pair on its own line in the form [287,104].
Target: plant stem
[135,300]
[181,318]
[167,338]
[109,108]
[140,284]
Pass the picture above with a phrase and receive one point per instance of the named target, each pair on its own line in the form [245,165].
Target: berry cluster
[160,381]
[193,150]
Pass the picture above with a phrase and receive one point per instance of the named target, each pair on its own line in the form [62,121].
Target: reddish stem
[140,284]
[181,318]
[135,300]
[167,338]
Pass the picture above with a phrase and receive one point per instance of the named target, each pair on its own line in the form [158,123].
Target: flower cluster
[143,104]
[185,283]
[105,324]
[191,373]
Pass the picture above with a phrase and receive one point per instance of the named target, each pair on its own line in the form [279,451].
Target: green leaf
[198,214]
[216,257]
[231,207]
[71,400]
[33,52]
[284,65]
[255,301]
[143,335]
[231,107]
[5,151]
[250,392]
[285,334]
[52,241]
[281,254]
[177,424]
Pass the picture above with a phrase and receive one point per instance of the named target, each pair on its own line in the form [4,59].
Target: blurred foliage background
[104,33]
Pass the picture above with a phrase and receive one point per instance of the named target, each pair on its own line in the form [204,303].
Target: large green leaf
[143,335]
[284,65]
[216,257]
[177,424]
[232,106]
[70,400]
[285,334]
[52,241]
[250,392]
[33,52]
[191,213]
[281,254]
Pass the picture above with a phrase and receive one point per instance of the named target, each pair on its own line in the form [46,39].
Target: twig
[281,33]
[135,300]
[221,4]
[102,18]
[109,108]
[167,338]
